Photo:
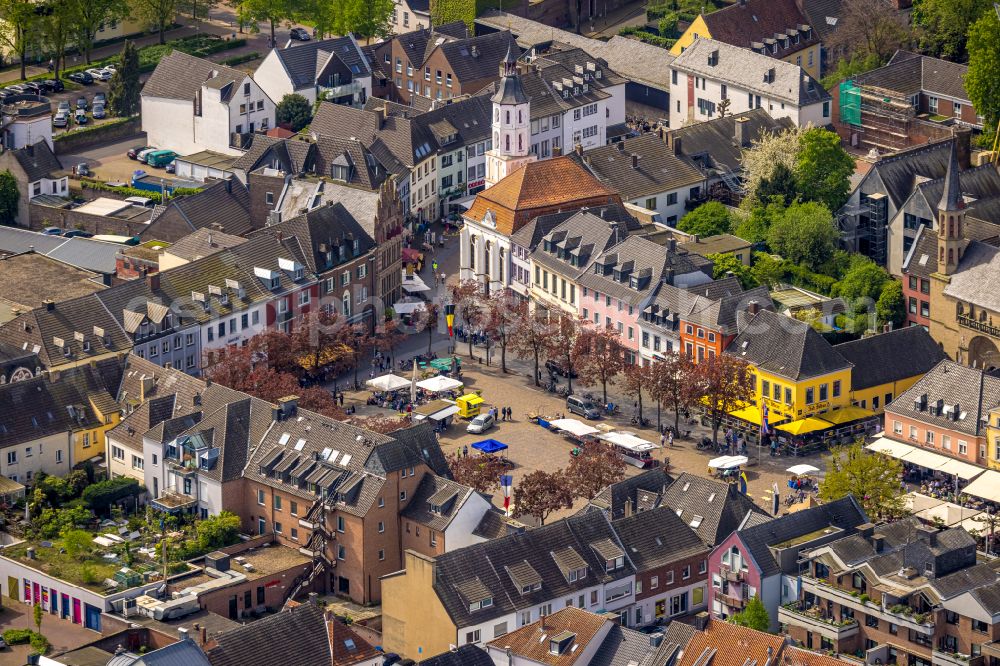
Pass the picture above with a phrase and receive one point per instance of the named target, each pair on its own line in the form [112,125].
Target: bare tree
[531,336]
[600,357]
[869,27]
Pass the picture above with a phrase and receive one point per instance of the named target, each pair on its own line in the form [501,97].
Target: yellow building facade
[751,24]
[88,440]
[415,623]
[790,399]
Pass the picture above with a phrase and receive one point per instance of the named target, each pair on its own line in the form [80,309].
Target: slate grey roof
[890,357]
[330,226]
[989,597]
[180,76]
[977,279]
[786,347]
[202,243]
[657,169]
[658,537]
[711,144]
[232,429]
[296,636]
[909,73]
[898,172]
[465,655]
[436,502]
[291,155]
[975,391]
[746,70]
[822,15]
[222,205]
[627,647]
[843,514]
[486,561]
[679,633]
[181,653]
[304,61]
[531,234]
[721,507]
[37,160]
[584,235]
[625,496]
[80,252]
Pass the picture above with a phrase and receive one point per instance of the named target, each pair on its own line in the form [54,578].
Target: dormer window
[633,282]
[615,564]
[484,603]
[577,574]
[275,282]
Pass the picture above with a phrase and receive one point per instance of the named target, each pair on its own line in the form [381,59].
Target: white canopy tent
[802,469]
[728,462]
[438,384]
[412,284]
[573,427]
[986,486]
[408,307]
[388,382]
[628,440]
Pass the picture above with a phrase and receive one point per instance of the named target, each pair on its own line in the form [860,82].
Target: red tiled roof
[733,645]
[532,641]
[559,181]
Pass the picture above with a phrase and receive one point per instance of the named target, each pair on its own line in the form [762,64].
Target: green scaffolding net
[850,103]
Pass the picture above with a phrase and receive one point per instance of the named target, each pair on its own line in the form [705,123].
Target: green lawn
[88,571]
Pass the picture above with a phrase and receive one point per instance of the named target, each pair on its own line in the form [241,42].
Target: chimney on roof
[671,245]
[963,147]
[753,307]
[740,134]
[556,151]
[878,542]
[701,620]
[204,635]
[50,305]
[183,633]
[153,279]
[668,276]
[635,161]
[621,146]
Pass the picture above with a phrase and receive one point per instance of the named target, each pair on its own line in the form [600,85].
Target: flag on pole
[764,427]
[449,317]
[506,485]
[743,482]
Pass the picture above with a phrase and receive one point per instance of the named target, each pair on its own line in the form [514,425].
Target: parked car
[143,154]
[53,85]
[81,102]
[133,152]
[111,68]
[78,233]
[83,169]
[583,407]
[557,368]
[172,167]
[160,158]
[98,111]
[32,88]
[63,106]
[16,89]
[61,119]
[81,77]
[80,116]
[52,231]
[100,98]
[99,73]
[481,424]
[301,34]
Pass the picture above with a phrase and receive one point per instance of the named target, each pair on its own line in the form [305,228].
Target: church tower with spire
[951,219]
[511,127]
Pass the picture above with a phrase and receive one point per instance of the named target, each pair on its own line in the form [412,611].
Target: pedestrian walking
[465,451]
[663,440]
[341,398]
[434,266]
[670,439]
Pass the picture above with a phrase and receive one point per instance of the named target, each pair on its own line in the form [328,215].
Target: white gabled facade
[209,121]
[275,78]
[710,71]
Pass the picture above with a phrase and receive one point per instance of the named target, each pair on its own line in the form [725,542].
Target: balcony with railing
[816,620]
[899,614]
[941,656]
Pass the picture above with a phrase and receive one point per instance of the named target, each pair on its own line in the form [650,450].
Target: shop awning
[847,414]
[388,383]
[412,284]
[803,426]
[438,384]
[573,427]
[751,414]
[986,486]
[927,459]
[408,307]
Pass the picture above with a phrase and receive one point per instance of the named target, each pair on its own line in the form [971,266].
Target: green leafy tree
[295,111]
[56,22]
[368,19]
[767,270]
[804,234]
[728,263]
[823,168]
[780,186]
[754,615]
[709,219]
[123,92]
[20,28]
[848,67]
[891,306]
[943,24]
[218,531]
[37,615]
[754,227]
[159,13]
[864,280]
[760,160]
[873,479]
[982,81]
[271,12]
[89,16]
[77,542]
[9,196]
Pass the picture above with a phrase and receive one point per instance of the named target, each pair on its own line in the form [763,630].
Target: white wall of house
[120,460]
[21,132]
[648,605]
[22,462]
[459,532]
[209,496]
[404,19]
[257,115]
[169,124]
[586,126]
[668,203]
[740,100]
[154,475]
[273,79]
[56,186]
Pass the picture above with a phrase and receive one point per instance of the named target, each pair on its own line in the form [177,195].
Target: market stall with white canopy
[573,427]
[388,382]
[439,384]
[413,284]
[986,487]
[727,462]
